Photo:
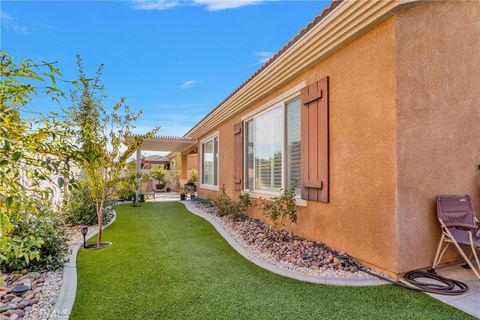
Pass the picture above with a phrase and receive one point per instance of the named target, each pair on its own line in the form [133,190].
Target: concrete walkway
[274,268]
[164,196]
[66,296]
[468,302]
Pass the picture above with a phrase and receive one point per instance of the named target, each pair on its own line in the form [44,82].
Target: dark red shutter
[238,156]
[315,157]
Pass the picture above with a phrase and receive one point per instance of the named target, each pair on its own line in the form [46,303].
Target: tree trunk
[100,203]
[99,218]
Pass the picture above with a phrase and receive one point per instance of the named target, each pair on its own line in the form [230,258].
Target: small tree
[158,174]
[105,138]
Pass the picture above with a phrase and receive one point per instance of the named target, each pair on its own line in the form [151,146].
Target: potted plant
[176,181]
[190,185]
[183,193]
[159,175]
[167,185]
[194,179]
[192,195]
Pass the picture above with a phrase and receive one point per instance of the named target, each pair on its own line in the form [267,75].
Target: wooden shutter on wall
[314,135]
[238,156]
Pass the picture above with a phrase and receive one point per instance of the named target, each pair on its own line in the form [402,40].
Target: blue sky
[175,60]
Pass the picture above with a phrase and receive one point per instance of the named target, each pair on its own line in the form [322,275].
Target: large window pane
[293,145]
[249,154]
[208,162]
[215,161]
[268,150]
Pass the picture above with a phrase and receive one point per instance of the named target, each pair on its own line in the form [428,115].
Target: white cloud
[214,5]
[8,24]
[211,5]
[189,83]
[263,56]
[155,4]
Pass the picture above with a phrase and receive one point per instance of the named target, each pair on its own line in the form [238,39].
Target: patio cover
[167,143]
[161,143]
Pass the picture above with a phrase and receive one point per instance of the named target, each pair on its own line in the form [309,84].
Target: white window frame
[202,142]
[283,105]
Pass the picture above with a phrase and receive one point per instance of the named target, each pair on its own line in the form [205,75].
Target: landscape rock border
[254,258]
[68,290]
[35,303]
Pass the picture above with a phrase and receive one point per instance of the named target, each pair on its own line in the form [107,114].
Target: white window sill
[209,187]
[256,195]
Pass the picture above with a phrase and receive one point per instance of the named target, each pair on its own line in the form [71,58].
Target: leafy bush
[228,207]
[279,207]
[206,201]
[17,252]
[126,188]
[158,174]
[244,202]
[33,150]
[193,176]
[80,208]
[36,243]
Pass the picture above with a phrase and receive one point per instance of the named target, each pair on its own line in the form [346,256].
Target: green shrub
[277,208]
[80,208]
[158,174]
[18,253]
[228,207]
[193,176]
[126,188]
[206,201]
[35,243]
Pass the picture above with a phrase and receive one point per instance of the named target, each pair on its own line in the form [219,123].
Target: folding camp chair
[460,227]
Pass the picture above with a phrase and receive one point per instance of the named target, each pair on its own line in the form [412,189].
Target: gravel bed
[37,302]
[283,249]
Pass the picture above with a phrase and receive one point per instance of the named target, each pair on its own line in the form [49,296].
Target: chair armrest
[463,226]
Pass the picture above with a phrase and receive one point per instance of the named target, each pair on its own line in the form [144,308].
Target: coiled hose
[443,286]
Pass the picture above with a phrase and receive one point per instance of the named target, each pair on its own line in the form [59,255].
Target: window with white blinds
[268,150]
[249,160]
[209,154]
[272,149]
[293,144]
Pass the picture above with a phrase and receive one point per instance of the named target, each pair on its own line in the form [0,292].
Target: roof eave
[343,22]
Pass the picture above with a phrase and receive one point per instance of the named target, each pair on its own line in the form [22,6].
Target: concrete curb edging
[357,282]
[66,295]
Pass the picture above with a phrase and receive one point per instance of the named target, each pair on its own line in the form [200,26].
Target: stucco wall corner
[438,115]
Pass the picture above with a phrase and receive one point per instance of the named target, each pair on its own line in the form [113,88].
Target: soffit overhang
[166,143]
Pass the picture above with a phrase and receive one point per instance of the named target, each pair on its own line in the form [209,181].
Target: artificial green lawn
[166,263]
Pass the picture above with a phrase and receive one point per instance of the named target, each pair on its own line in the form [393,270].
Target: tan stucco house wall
[438,119]
[404,127]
